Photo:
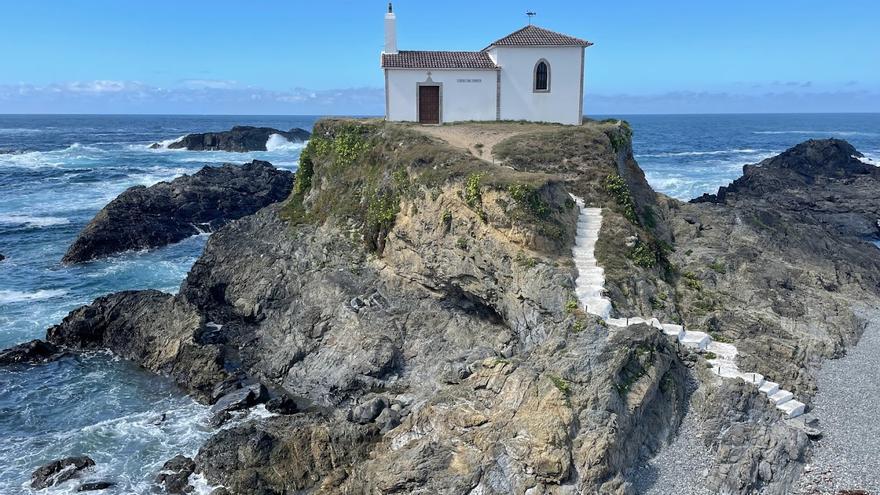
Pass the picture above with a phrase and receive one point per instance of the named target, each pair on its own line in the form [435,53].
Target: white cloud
[188,96]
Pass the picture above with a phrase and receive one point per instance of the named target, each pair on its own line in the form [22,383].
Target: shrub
[718,267]
[472,194]
[572,305]
[709,355]
[617,188]
[529,199]
[561,384]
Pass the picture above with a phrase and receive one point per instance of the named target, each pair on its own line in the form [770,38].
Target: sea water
[56,172]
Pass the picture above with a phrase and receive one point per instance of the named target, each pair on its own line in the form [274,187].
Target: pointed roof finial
[390,9]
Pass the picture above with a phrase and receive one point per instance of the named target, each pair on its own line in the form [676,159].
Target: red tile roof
[535,36]
[412,59]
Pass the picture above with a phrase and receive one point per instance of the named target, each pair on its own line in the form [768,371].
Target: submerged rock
[175,473]
[59,471]
[95,485]
[167,212]
[238,139]
[33,352]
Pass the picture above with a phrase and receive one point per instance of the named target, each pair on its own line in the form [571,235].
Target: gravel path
[847,405]
[680,467]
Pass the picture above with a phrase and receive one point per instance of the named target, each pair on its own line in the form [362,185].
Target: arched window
[542,76]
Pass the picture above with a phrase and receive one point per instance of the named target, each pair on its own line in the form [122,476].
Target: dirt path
[480,138]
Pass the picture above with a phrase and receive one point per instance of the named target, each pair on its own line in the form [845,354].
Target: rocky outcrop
[2,257]
[33,352]
[238,139]
[175,473]
[149,217]
[59,471]
[418,306]
[413,299]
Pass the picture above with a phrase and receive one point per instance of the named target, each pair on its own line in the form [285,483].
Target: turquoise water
[56,172]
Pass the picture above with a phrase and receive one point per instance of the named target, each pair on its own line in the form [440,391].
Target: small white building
[531,74]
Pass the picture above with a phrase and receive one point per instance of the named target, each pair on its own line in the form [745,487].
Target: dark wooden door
[429,104]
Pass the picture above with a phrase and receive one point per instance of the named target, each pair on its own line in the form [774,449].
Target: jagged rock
[95,485]
[238,139]
[151,328]
[282,405]
[59,471]
[174,476]
[167,212]
[2,257]
[242,398]
[368,411]
[33,352]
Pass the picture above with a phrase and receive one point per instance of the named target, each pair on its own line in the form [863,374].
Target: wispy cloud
[187,96]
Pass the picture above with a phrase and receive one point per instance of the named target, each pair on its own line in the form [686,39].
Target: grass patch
[718,267]
[561,384]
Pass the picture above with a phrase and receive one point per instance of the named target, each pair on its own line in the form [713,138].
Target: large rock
[239,139]
[174,476]
[167,212]
[59,471]
[33,352]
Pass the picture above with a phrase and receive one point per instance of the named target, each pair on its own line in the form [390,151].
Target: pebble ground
[847,457]
[680,468]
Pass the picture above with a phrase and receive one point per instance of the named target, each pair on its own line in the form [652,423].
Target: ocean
[56,172]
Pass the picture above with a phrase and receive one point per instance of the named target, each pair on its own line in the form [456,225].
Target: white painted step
[754,379]
[781,397]
[599,307]
[695,340]
[672,329]
[769,388]
[792,408]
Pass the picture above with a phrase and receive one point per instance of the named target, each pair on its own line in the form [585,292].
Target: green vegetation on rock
[617,188]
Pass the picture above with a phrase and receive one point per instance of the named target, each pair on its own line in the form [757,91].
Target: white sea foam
[19,130]
[869,159]
[32,221]
[53,158]
[15,296]
[835,133]
[163,145]
[277,142]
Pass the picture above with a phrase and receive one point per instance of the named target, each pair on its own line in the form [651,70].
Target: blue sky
[290,57]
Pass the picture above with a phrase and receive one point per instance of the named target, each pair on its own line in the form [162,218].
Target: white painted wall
[459,100]
[520,102]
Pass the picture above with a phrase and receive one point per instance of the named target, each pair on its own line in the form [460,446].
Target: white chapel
[531,74]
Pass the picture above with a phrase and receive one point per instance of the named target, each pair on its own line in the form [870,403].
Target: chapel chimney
[390,31]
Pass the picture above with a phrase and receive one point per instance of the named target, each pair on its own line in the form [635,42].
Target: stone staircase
[590,291]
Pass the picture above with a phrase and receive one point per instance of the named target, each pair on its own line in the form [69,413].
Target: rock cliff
[148,217]
[414,306]
[416,301]
[238,139]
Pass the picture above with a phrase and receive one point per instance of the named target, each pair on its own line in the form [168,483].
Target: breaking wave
[32,221]
[277,142]
[15,296]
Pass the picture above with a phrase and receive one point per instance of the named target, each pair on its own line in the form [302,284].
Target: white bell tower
[390,31]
